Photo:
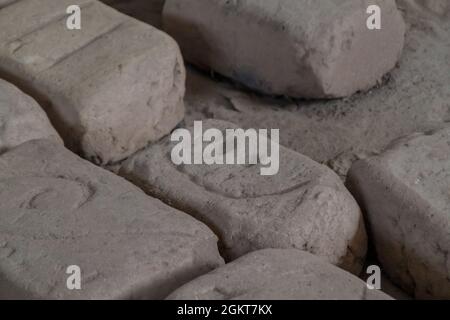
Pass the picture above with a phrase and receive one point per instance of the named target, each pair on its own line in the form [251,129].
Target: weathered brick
[300,48]
[305,205]
[405,192]
[277,275]
[109,88]
[58,210]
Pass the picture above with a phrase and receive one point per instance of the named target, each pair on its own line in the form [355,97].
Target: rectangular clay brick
[277,274]
[304,206]
[405,192]
[300,48]
[109,88]
[58,210]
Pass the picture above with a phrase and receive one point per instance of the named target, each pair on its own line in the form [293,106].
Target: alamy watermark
[374,280]
[373,22]
[73,21]
[73,281]
[234,146]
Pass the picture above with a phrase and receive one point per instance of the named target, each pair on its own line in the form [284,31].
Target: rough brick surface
[298,48]
[277,274]
[59,210]
[406,194]
[21,119]
[304,206]
[109,88]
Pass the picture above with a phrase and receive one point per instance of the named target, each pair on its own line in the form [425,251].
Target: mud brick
[405,192]
[277,274]
[109,88]
[299,48]
[304,206]
[59,210]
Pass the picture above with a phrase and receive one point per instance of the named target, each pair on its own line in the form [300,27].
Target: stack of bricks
[75,102]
